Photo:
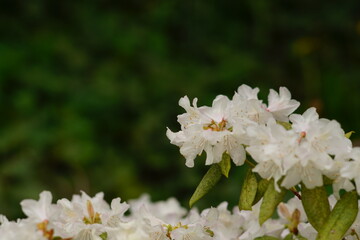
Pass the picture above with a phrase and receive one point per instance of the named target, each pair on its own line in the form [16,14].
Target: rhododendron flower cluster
[283,151]
[223,126]
[280,151]
[293,147]
[86,217]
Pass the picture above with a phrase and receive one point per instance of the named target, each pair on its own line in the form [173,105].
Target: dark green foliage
[87,89]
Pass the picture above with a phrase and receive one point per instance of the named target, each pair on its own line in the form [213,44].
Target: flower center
[43,227]
[302,136]
[216,126]
[170,228]
[94,217]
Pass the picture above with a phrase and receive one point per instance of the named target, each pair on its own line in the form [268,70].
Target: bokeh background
[88,89]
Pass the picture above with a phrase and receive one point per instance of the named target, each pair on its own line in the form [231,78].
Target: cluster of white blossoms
[91,218]
[285,148]
[292,147]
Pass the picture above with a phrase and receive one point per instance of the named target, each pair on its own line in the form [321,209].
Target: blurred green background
[87,90]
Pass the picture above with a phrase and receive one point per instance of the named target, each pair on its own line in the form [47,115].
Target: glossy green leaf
[248,191]
[316,205]
[348,135]
[270,201]
[209,180]
[225,164]
[341,218]
[261,189]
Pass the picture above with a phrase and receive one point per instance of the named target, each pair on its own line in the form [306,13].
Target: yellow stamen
[214,126]
[94,217]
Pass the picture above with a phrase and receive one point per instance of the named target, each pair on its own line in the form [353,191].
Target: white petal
[281,105]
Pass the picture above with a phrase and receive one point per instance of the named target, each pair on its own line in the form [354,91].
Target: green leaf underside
[209,180]
[341,218]
[261,189]
[248,191]
[270,201]
[316,205]
[225,164]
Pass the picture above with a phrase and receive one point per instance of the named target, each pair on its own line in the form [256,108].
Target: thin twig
[295,192]
[250,163]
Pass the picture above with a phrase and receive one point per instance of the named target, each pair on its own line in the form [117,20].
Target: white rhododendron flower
[168,211]
[272,147]
[319,140]
[351,168]
[302,154]
[247,109]
[251,228]
[208,129]
[20,230]
[89,214]
[41,210]
[304,150]
[281,105]
[165,220]
[334,173]
[222,128]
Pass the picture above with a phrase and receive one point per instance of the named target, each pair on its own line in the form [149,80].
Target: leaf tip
[348,135]
[191,203]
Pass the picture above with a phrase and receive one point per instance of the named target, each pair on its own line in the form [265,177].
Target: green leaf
[248,191]
[341,218]
[271,199]
[299,237]
[327,181]
[289,237]
[316,205]
[104,236]
[225,164]
[348,135]
[261,189]
[286,125]
[266,238]
[209,180]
